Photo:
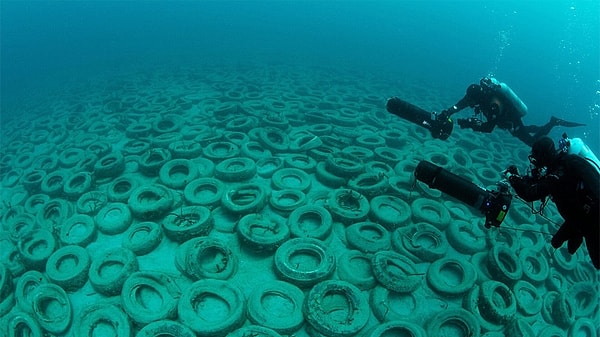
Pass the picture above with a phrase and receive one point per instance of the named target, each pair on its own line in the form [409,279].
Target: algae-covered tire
[245,198]
[529,301]
[254,330]
[211,258]
[177,173]
[261,233]
[150,202]
[142,288]
[584,327]
[465,237]
[113,218]
[355,267]
[497,302]
[304,262]
[398,328]
[368,237]
[430,211]
[204,192]
[311,222]
[425,241]
[36,248]
[348,206]
[395,272]
[188,222]
[18,323]
[212,307]
[453,320]
[79,230]
[291,178]
[287,200]
[563,312]
[451,276]
[277,305]
[535,266]
[324,311]
[389,305]
[165,328]
[504,265]
[142,237]
[68,267]
[110,283]
[25,284]
[51,308]
[235,169]
[96,318]
[390,211]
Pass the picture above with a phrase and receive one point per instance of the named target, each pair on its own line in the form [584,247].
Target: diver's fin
[561,122]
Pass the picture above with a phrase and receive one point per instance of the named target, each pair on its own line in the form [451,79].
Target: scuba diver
[501,107]
[572,182]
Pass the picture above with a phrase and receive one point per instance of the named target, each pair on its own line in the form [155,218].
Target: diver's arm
[486,127]
[469,100]
[531,189]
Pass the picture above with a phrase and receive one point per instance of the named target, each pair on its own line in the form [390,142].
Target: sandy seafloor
[342,109]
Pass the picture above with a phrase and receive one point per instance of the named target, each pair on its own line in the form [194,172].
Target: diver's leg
[524,135]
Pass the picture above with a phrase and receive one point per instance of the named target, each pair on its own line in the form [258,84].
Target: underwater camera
[439,126]
[494,204]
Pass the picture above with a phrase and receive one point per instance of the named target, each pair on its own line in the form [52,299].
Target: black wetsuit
[498,112]
[573,184]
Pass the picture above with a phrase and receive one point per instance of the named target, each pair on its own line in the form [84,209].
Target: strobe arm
[494,204]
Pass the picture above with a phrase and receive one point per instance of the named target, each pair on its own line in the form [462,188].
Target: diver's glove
[469,122]
[567,232]
[511,172]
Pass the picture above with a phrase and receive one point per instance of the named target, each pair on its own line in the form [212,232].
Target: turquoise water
[198,152]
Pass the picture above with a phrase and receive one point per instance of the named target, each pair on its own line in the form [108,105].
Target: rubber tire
[440,283]
[18,323]
[430,211]
[491,308]
[398,328]
[300,224]
[389,211]
[348,206]
[504,265]
[177,173]
[234,199]
[188,222]
[465,237]
[321,312]
[235,169]
[142,237]
[142,283]
[150,202]
[368,237]
[284,315]
[211,252]
[262,234]
[404,282]
[187,307]
[204,192]
[105,314]
[461,320]
[114,218]
[354,267]
[529,305]
[165,328]
[111,285]
[24,286]
[40,298]
[287,271]
[291,178]
[73,277]
[36,248]
[71,233]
